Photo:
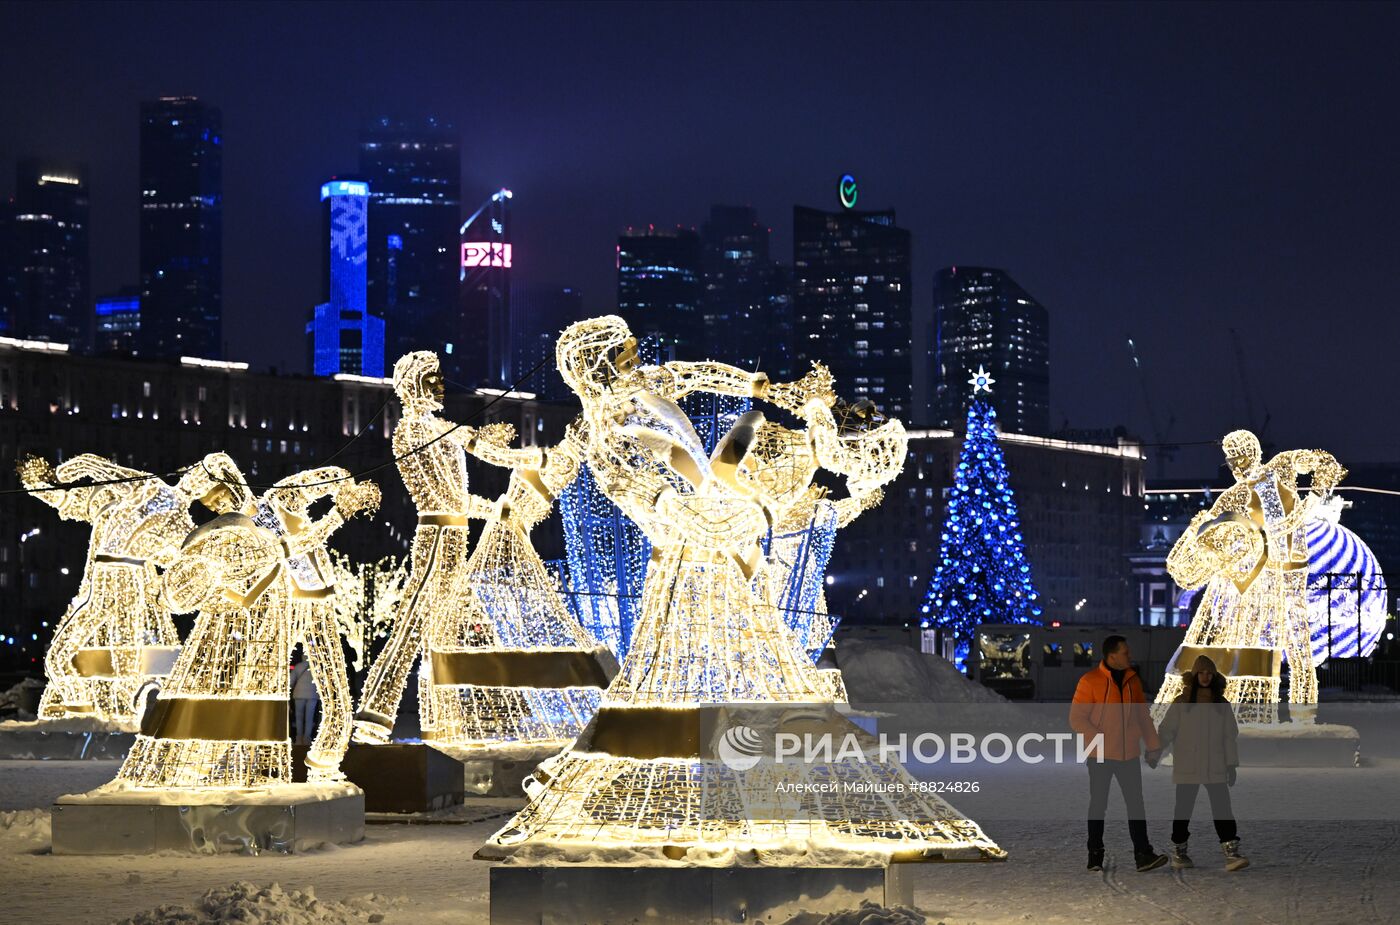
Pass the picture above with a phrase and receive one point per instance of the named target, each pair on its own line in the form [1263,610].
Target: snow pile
[270,905]
[25,829]
[869,913]
[15,699]
[69,724]
[883,672]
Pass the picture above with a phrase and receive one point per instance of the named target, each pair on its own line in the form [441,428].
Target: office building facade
[343,336]
[117,322]
[983,319]
[660,290]
[746,304]
[45,289]
[538,317]
[414,176]
[852,303]
[181,235]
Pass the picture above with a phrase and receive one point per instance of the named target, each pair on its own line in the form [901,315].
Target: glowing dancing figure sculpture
[256,577]
[650,773]
[115,630]
[510,665]
[1250,551]
[432,460]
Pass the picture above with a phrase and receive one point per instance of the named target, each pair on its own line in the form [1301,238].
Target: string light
[366,599]
[709,632]
[1250,553]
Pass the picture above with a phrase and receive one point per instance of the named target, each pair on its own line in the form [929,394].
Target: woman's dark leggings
[1219,795]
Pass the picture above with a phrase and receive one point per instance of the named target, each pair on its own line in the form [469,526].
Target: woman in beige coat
[1201,725]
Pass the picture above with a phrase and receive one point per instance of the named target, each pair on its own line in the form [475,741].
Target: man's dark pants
[1129,774]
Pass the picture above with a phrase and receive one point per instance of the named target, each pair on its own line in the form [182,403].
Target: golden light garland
[640,778]
[1249,552]
[367,597]
[261,580]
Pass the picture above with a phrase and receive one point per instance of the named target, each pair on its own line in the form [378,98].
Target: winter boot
[1233,859]
[1148,859]
[1180,859]
[1096,859]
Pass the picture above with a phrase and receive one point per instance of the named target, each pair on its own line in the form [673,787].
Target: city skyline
[1236,179]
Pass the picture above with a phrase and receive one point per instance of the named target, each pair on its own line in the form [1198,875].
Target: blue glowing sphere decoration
[1346,591]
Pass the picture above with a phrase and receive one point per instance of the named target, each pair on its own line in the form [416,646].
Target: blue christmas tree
[983,575]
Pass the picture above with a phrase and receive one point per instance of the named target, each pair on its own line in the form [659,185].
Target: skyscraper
[981,318]
[47,281]
[538,316]
[117,322]
[414,173]
[746,304]
[659,289]
[182,209]
[852,304]
[486,356]
[343,336]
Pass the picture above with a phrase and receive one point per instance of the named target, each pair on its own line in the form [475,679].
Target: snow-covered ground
[1317,870]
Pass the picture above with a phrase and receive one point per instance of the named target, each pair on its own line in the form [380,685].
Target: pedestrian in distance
[1200,728]
[305,699]
[1109,714]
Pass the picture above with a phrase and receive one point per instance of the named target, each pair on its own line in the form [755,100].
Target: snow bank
[869,913]
[25,830]
[68,724]
[14,699]
[242,901]
[882,672]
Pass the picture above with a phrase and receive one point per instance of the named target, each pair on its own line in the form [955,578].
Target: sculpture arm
[858,502]
[351,498]
[38,477]
[719,378]
[1326,472]
[97,468]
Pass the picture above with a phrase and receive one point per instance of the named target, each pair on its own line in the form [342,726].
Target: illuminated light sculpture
[261,580]
[643,777]
[983,573]
[115,634]
[366,598]
[1250,552]
[1346,589]
[476,619]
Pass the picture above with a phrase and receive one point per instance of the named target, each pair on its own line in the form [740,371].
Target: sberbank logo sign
[848,191]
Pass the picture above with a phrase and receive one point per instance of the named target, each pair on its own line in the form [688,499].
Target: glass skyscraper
[414,173]
[117,322]
[659,289]
[181,229]
[45,289]
[981,317]
[746,303]
[343,336]
[852,304]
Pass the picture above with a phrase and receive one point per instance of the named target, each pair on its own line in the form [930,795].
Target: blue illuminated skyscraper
[118,322]
[182,206]
[343,336]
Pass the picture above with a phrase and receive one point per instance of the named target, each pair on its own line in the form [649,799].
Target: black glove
[1230,776]
[1152,757]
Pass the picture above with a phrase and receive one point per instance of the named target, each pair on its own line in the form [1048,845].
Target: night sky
[1164,172]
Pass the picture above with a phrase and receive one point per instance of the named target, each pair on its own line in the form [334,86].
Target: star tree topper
[981,381]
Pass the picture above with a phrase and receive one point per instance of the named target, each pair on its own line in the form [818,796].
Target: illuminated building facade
[117,322]
[46,292]
[982,318]
[182,209]
[852,303]
[484,355]
[659,289]
[342,335]
[746,304]
[414,176]
[537,317]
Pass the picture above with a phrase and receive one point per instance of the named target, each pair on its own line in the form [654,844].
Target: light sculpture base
[285,819]
[405,777]
[500,771]
[683,895]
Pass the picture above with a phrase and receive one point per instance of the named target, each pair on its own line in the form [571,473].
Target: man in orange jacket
[1109,713]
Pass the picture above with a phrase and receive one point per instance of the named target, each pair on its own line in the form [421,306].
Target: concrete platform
[500,773]
[286,819]
[686,895]
[402,777]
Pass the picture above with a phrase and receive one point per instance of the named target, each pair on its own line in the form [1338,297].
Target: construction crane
[1165,451]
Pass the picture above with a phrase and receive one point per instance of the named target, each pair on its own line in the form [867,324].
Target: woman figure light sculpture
[651,773]
[432,460]
[255,577]
[102,648]
[1250,552]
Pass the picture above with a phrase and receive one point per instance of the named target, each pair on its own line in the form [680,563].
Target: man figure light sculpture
[103,647]
[1250,552]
